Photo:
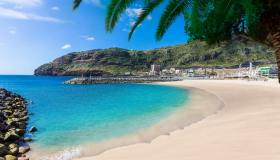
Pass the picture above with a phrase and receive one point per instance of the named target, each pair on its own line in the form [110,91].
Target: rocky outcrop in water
[13,123]
[110,80]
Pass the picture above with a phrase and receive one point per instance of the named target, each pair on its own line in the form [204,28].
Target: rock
[10,122]
[24,118]
[27,139]
[24,149]
[33,129]
[2,127]
[3,149]
[7,112]
[20,132]
[21,125]
[10,157]
[13,149]
[11,136]
[20,114]
[8,98]
[1,137]
[13,122]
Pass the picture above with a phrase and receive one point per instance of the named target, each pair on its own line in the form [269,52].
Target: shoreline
[247,128]
[176,120]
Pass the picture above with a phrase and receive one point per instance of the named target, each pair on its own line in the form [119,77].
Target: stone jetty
[129,79]
[13,123]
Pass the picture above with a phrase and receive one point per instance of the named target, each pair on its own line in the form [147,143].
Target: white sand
[247,128]
[200,105]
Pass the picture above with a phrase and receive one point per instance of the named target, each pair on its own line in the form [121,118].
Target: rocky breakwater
[130,79]
[13,123]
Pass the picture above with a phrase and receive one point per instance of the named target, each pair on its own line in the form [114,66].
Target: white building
[178,72]
[155,70]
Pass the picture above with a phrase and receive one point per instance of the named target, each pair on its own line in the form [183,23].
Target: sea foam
[67,154]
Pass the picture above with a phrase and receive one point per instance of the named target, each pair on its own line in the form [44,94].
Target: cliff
[117,61]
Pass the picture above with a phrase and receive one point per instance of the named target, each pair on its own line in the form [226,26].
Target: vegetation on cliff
[117,61]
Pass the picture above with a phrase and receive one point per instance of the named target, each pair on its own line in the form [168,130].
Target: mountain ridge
[118,61]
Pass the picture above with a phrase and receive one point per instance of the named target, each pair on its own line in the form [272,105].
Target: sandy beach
[246,128]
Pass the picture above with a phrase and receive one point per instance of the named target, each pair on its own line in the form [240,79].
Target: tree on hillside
[209,20]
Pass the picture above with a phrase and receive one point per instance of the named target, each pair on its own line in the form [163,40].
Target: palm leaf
[114,11]
[76,4]
[150,6]
[171,12]
[253,10]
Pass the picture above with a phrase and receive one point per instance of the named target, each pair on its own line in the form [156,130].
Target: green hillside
[117,61]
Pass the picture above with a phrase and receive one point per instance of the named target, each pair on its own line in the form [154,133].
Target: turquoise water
[70,115]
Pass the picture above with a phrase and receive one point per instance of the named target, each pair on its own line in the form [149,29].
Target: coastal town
[246,70]
[157,74]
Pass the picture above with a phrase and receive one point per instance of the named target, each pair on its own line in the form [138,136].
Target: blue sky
[34,32]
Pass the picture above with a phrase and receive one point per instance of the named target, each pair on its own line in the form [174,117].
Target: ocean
[72,115]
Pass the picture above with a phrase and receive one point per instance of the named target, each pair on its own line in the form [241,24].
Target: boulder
[11,136]
[2,127]
[27,139]
[24,149]
[20,132]
[24,118]
[3,149]
[10,122]
[10,157]
[8,98]
[20,114]
[7,112]
[13,149]
[33,129]
[1,137]
[21,125]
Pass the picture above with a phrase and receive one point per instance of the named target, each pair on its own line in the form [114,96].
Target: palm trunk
[275,39]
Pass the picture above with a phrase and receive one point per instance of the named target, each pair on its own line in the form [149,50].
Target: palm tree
[209,20]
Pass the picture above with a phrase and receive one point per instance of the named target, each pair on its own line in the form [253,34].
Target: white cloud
[97,3]
[23,3]
[132,15]
[66,46]
[133,12]
[55,8]
[12,32]
[14,14]
[132,23]
[88,38]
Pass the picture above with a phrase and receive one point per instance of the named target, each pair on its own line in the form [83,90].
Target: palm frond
[253,10]
[171,12]
[150,6]
[76,4]
[114,11]
[196,19]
